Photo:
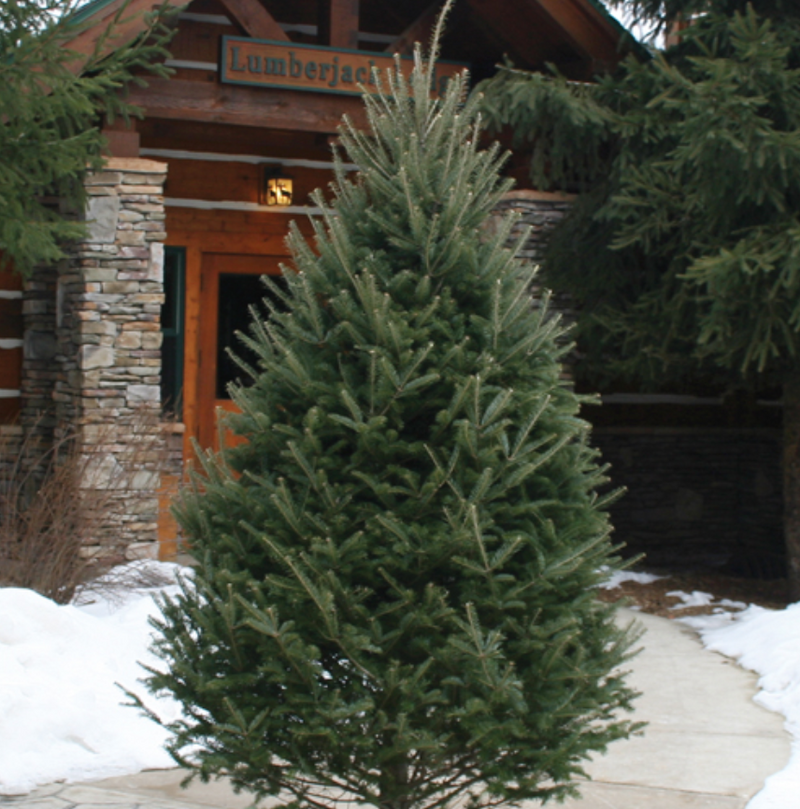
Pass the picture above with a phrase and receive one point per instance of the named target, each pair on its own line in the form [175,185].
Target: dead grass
[653,598]
[50,518]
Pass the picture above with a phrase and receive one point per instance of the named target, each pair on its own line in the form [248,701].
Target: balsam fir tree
[394,600]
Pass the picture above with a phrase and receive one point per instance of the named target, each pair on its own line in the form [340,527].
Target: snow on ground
[61,712]
[764,641]
[62,716]
[768,643]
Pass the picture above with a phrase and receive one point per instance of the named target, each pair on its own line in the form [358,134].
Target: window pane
[237,292]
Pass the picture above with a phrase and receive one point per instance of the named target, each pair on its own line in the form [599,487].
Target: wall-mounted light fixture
[276,186]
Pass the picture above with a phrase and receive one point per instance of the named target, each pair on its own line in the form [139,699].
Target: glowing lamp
[276,187]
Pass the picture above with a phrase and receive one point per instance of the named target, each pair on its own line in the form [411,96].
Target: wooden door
[230,284]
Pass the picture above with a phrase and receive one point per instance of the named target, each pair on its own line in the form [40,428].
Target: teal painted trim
[286,44]
[91,8]
[637,47]
[601,7]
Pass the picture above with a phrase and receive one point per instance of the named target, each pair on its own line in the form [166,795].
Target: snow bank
[767,642]
[61,711]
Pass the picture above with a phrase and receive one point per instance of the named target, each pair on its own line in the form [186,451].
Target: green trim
[174,396]
[637,47]
[603,9]
[287,44]
[90,9]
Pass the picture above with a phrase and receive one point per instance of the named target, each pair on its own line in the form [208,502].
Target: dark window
[237,293]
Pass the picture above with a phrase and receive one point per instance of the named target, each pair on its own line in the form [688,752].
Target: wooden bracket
[255,19]
[420,31]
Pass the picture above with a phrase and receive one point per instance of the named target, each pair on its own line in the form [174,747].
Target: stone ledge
[10,430]
[137,165]
[524,194]
[738,432]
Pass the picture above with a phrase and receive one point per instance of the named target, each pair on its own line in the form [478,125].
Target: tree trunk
[791,479]
[393,783]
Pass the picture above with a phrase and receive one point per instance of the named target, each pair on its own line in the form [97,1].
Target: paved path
[707,745]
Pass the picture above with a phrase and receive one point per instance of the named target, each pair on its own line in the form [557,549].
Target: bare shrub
[60,507]
[115,584]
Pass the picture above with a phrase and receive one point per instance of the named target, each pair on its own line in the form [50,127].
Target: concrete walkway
[707,745]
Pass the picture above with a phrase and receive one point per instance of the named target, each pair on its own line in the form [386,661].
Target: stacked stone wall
[11,438]
[108,330]
[40,370]
[698,496]
[92,354]
[538,212]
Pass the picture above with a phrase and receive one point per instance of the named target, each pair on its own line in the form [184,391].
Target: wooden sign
[269,63]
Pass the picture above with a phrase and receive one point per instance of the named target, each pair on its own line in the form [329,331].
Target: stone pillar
[107,349]
[538,210]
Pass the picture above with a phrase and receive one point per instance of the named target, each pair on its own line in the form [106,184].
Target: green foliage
[683,254]
[664,13]
[550,114]
[394,599]
[52,100]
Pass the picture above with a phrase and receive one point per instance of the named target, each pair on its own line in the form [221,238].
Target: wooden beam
[131,24]
[589,31]
[122,140]
[191,337]
[343,23]
[420,31]
[183,100]
[536,31]
[243,244]
[255,19]
[518,28]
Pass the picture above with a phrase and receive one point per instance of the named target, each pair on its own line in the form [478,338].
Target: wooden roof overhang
[578,36]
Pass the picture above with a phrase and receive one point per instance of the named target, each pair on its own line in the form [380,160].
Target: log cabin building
[194,205]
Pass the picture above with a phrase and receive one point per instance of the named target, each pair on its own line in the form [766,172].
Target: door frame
[196,244]
[215,264]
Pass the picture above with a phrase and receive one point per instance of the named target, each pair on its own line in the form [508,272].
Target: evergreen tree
[683,251]
[51,102]
[394,600]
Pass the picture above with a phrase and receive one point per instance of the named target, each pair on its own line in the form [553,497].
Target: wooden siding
[11,335]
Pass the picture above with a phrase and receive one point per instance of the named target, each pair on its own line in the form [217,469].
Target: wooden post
[338,23]
[122,139]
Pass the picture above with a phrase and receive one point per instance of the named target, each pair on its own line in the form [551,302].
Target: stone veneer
[92,348]
[540,212]
[698,496]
